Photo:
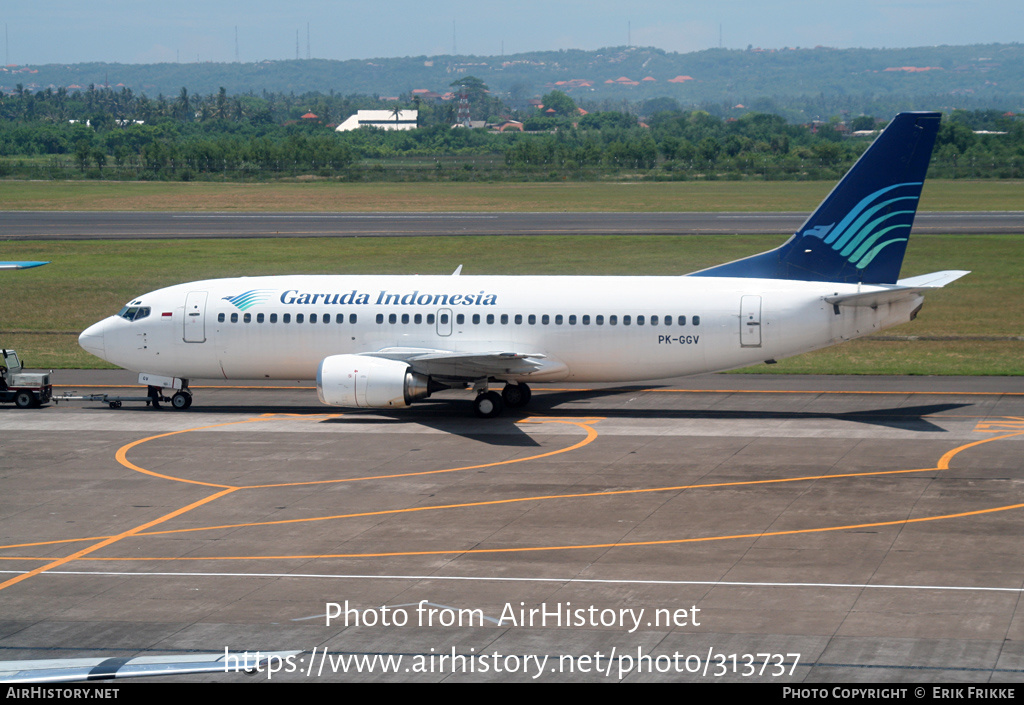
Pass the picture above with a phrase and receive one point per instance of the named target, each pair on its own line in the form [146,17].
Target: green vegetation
[323,195]
[980,318]
[102,134]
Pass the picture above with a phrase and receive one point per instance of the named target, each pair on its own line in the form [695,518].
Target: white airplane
[387,341]
[21,265]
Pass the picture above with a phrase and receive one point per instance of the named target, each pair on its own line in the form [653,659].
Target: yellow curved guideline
[80,555]
[943,464]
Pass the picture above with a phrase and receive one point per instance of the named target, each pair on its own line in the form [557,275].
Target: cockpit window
[134,313]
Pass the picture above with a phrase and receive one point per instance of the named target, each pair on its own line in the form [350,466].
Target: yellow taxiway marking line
[121,453]
[79,555]
[943,464]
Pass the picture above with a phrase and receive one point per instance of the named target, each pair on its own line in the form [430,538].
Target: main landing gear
[490,404]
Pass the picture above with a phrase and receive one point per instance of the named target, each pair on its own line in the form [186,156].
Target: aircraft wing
[904,288]
[92,669]
[21,265]
[467,365]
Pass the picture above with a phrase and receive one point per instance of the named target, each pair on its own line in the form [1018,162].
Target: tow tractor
[25,389]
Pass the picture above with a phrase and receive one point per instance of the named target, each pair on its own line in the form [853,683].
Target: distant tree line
[106,133]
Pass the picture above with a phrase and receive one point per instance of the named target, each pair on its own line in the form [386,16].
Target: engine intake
[369,382]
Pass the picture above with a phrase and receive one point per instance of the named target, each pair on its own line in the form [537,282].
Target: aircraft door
[194,325]
[444,322]
[750,321]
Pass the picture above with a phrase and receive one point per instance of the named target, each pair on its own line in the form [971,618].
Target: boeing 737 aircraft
[387,341]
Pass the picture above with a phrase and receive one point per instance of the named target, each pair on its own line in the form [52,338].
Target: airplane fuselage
[588,329]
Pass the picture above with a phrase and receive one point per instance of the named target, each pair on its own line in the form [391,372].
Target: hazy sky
[65,31]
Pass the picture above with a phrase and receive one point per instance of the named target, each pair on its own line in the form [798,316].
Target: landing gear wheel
[181,400]
[24,400]
[154,394]
[516,395]
[488,405]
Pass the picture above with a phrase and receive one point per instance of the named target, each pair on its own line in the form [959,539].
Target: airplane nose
[91,339]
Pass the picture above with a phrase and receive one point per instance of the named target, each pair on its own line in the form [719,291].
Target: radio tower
[463,116]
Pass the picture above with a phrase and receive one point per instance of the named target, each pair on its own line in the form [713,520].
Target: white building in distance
[384,119]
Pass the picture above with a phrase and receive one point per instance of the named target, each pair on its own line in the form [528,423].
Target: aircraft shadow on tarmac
[454,416]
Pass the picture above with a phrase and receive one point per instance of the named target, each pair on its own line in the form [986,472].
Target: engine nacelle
[369,382]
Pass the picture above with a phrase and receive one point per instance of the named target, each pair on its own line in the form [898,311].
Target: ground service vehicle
[25,389]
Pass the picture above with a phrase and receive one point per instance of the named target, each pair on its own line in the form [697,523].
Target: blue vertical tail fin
[859,232]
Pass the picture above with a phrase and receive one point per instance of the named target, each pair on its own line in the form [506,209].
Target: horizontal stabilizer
[935,280]
[903,289]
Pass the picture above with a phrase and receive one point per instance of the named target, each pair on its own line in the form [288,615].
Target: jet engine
[369,382]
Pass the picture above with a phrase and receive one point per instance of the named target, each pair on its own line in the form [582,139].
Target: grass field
[974,326]
[452,197]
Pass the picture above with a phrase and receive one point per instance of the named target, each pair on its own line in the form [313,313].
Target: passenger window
[490,319]
[392,318]
[298,318]
[545,319]
[586,320]
[682,320]
[234,318]
[572,319]
[286,318]
[351,318]
[626,320]
[668,320]
[418,318]
[273,318]
[654,320]
[519,319]
[599,320]
[444,319]
[430,319]
[476,319]
[380,318]
[312,318]
[259,318]
[327,318]
[247,318]
[558,319]
[405,318]
[532,320]
[504,319]
[639,320]
[613,320]
[220,317]
[460,319]
[696,320]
